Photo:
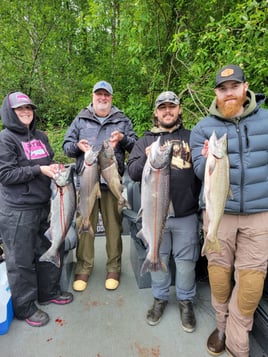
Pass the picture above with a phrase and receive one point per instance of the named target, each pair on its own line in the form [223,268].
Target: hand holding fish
[204,151]
[147,150]
[83,145]
[49,170]
[115,137]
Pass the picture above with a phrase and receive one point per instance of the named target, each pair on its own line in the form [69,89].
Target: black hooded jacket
[184,185]
[22,151]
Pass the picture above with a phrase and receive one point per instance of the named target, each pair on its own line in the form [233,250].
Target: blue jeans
[181,240]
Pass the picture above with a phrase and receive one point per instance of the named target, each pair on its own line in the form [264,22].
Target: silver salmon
[109,171]
[155,201]
[216,188]
[89,189]
[63,207]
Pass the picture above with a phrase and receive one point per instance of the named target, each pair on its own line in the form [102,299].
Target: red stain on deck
[147,352]
[60,321]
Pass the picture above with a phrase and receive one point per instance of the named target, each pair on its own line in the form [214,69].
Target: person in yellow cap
[100,121]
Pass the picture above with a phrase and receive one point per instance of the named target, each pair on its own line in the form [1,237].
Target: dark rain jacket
[247,137]
[184,185]
[22,151]
[87,126]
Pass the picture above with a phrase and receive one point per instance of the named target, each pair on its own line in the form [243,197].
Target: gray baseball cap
[103,85]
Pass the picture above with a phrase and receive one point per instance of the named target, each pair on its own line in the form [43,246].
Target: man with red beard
[243,231]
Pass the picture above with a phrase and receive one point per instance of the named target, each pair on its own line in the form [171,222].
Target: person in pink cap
[26,169]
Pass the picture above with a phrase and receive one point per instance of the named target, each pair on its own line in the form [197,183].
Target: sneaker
[63,299]
[188,320]
[37,319]
[155,313]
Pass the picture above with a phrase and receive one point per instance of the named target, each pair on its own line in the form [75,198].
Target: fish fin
[171,211]
[98,194]
[47,234]
[140,235]
[139,215]
[49,257]
[211,166]
[127,204]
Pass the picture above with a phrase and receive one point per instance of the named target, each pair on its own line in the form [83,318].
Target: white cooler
[6,309]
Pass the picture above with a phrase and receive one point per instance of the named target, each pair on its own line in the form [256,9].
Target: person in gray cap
[26,169]
[243,231]
[94,124]
[181,232]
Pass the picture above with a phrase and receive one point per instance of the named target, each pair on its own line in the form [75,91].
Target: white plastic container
[6,309]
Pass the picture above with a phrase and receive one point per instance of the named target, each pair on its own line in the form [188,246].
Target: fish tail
[149,266]
[163,267]
[51,258]
[145,267]
[211,245]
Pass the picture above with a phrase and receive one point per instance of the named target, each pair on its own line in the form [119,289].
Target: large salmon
[63,206]
[89,189]
[216,188]
[109,171]
[155,200]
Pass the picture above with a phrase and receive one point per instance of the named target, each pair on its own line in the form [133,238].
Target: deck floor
[101,323]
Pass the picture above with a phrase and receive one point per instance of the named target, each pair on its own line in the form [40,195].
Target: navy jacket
[248,154]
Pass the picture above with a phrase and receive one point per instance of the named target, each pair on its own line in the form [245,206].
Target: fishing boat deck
[101,323]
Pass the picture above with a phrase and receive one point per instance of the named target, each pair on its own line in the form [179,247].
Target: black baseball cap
[230,72]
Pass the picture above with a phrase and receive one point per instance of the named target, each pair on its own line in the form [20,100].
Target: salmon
[216,189]
[89,189]
[63,207]
[155,201]
[109,171]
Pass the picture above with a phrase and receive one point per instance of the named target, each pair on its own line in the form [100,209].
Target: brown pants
[108,206]
[237,275]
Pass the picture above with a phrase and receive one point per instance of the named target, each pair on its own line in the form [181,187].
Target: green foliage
[56,137]
[56,50]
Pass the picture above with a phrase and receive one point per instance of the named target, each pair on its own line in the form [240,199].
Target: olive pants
[112,219]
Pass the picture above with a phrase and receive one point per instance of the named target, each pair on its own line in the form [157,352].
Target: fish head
[90,156]
[160,155]
[217,147]
[107,149]
[64,176]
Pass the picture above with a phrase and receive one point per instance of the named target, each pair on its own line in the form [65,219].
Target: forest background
[55,51]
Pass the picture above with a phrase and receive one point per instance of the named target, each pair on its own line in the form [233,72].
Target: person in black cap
[181,232]
[98,122]
[243,230]
[26,169]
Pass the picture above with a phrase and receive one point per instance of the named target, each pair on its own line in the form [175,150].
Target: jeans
[181,240]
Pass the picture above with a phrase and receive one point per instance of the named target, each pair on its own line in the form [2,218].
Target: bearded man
[243,230]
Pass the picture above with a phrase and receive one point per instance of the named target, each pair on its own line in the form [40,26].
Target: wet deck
[100,323]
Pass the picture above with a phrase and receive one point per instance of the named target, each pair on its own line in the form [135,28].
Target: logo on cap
[227,72]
